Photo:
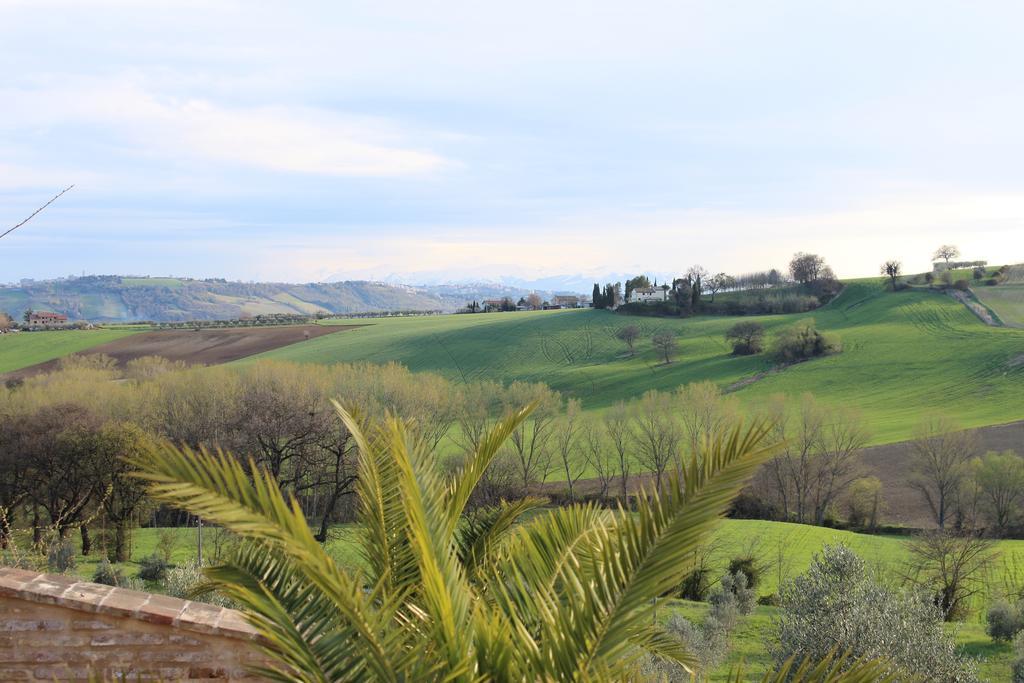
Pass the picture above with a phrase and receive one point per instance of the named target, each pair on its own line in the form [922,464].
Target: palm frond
[639,556]
[482,533]
[828,670]
[217,488]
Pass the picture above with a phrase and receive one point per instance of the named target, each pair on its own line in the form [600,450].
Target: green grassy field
[905,355]
[28,348]
[1006,300]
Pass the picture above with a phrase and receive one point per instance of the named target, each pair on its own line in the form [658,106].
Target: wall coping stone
[68,591]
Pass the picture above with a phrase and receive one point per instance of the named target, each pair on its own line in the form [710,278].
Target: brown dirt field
[890,463]
[195,347]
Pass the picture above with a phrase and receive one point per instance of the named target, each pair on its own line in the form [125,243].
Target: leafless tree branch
[55,198]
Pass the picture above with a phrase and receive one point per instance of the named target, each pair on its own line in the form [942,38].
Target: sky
[434,141]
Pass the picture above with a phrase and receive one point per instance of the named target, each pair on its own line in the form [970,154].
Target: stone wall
[54,627]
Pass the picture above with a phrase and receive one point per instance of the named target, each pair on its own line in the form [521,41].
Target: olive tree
[838,606]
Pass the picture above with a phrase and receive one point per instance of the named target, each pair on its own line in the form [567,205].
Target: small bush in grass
[154,568]
[1004,621]
[181,581]
[696,585]
[803,341]
[962,285]
[746,337]
[979,272]
[60,556]
[108,574]
[749,566]
[167,541]
[1018,664]
[734,594]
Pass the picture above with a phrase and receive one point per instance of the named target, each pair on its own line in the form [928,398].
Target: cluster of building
[558,301]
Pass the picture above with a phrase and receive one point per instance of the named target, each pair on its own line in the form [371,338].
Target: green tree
[443,597]
[598,300]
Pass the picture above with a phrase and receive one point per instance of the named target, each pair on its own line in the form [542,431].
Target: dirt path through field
[196,347]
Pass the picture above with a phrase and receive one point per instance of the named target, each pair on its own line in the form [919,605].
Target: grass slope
[1006,300]
[905,355]
[28,348]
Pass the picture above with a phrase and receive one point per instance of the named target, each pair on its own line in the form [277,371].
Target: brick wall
[54,627]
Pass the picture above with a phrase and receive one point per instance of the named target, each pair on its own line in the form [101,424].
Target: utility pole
[199,539]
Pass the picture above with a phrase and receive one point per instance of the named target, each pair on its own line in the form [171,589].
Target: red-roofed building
[47,318]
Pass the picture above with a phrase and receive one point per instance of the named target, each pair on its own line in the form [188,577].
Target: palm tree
[567,595]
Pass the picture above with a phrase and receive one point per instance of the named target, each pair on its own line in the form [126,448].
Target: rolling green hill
[906,354]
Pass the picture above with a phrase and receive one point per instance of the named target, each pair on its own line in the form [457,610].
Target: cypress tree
[598,303]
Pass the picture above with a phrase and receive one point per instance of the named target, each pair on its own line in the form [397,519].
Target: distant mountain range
[114,298]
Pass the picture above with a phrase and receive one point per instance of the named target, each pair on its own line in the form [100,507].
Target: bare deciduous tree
[946,252]
[629,334]
[618,427]
[892,269]
[939,457]
[819,460]
[665,343]
[530,442]
[598,454]
[950,566]
[657,434]
[1000,481]
[567,438]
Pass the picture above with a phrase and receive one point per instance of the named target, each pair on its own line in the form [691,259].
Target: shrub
[837,606]
[1004,621]
[167,541]
[929,277]
[696,585]
[962,285]
[735,591]
[182,581]
[803,341]
[746,337]
[154,568]
[749,566]
[60,556]
[978,272]
[108,574]
[1018,664]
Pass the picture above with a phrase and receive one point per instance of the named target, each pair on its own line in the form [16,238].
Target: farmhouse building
[565,301]
[643,295]
[47,318]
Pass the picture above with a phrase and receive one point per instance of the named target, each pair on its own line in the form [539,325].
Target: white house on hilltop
[643,295]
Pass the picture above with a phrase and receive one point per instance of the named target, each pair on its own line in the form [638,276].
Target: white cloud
[277,138]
